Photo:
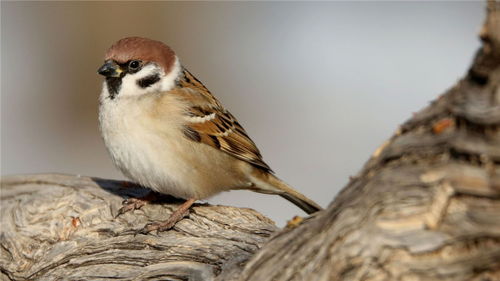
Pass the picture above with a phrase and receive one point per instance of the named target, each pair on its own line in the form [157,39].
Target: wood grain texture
[60,227]
[426,206]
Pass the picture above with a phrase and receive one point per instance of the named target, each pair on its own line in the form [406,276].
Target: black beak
[110,69]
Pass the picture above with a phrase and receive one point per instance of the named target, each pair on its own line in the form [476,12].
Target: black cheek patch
[148,80]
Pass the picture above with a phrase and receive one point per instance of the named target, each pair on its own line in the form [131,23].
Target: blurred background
[318,86]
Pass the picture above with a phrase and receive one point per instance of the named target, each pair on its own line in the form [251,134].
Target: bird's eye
[134,65]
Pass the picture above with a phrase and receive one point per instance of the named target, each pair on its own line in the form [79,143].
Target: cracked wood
[61,227]
[426,206]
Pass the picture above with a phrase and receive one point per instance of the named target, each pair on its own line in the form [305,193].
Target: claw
[176,216]
[132,204]
[158,226]
[140,231]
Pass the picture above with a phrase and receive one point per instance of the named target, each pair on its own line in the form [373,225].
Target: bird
[166,131]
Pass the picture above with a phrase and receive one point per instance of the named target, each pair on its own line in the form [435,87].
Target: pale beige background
[317,85]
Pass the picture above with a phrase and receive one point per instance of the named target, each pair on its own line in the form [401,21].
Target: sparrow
[165,130]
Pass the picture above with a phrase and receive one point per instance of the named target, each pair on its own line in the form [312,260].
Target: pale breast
[147,145]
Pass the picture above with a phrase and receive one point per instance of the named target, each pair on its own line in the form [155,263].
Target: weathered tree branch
[57,227]
[426,206]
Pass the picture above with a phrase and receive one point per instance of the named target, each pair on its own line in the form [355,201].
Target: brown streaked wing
[211,124]
[222,131]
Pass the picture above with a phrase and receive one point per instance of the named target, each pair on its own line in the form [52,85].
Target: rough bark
[426,206]
[57,227]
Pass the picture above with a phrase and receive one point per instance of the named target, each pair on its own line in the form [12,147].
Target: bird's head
[135,66]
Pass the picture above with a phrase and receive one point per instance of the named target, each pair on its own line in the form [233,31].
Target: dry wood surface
[61,227]
[426,206]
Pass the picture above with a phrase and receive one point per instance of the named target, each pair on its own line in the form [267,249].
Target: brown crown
[146,50]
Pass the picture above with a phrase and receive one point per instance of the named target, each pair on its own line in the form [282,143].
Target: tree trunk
[426,206]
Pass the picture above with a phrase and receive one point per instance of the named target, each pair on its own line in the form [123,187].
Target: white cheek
[167,82]
[129,86]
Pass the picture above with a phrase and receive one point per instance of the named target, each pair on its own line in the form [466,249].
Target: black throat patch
[114,85]
[148,80]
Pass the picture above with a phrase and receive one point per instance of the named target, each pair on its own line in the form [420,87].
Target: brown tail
[274,185]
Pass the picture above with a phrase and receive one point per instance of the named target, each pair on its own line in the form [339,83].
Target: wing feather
[210,123]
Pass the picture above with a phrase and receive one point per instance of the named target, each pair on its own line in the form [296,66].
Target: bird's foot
[131,204]
[175,217]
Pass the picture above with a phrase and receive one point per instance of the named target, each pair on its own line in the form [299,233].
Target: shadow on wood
[426,206]
[61,227]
